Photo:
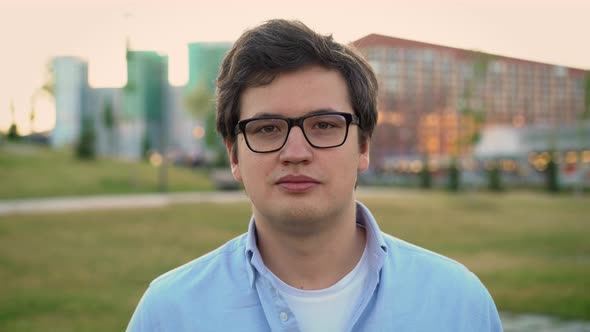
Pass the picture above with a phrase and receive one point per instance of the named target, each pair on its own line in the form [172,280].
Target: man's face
[298,188]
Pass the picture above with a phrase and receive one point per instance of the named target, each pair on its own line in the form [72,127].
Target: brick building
[434,99]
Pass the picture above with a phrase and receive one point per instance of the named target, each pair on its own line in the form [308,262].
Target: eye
[265,127]
[268,129]
[324,125]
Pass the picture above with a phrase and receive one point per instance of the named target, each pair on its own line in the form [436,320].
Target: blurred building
[71,92]
[204,62]
[105,113]
[186,132]
[144,116]
[148,115]
[434,100]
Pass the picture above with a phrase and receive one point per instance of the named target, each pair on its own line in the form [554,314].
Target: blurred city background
[481,152]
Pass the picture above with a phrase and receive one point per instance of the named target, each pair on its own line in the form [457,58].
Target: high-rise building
[433,100]
[71,90]
[105,113]
[144,115]
[204,62]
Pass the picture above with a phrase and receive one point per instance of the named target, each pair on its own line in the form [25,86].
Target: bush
[495,178]
[552,175]
[425,177]
[86,149]
[12,132]
[454,176]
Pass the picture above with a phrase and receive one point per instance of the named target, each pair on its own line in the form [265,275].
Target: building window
[392,69]
[392,55]
[376,65]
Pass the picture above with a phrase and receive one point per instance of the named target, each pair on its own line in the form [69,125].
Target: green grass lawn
[28,171]
[86,271]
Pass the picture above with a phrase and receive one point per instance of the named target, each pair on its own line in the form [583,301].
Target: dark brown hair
[279,46]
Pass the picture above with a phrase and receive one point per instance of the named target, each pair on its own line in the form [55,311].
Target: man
[296,111]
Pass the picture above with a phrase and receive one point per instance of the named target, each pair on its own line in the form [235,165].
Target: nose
[296,150]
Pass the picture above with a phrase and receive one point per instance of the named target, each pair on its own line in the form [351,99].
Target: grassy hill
[28,171]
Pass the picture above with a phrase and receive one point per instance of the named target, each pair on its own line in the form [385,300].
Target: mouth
[297,183]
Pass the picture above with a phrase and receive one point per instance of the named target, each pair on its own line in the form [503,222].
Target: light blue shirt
[409,289]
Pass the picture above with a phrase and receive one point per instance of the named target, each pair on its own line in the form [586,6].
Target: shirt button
[284,316]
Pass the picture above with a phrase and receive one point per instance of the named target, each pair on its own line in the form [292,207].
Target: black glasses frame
[297,122]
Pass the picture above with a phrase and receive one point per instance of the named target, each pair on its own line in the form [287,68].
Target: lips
[297,183]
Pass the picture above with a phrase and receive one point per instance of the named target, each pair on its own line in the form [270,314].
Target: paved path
[539,323]
[79,203]
[511,323]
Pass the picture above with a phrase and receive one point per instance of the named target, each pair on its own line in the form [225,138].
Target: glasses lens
[325,130]
[266,134]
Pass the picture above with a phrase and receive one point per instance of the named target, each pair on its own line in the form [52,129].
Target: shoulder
[415,257]
[219,273]
[204,270]
[438,285]
[197,293]
[433,273]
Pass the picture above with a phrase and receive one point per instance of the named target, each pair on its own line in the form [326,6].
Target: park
[86,270]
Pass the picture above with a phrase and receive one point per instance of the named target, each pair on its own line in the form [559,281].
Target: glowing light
[586,157]
[508,165]
[416,166]
[199,132]
[404,166]
[571,157]
[518,121]
[532,157]
[156,159]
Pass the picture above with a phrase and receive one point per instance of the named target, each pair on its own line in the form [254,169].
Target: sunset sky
[31,32]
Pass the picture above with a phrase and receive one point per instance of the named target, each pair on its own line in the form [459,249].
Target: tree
[425,175]
[454,183]
[109,123]
[49,85]
[12,130]
[47,89]
[471,114]
[32,115]
[583,134]
[495,177]
[552,174]
[86,148]
[200,101]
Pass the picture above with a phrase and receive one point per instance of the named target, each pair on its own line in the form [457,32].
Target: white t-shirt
[328,309]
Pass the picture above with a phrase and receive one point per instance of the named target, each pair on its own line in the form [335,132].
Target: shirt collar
[252,254]
[375,243]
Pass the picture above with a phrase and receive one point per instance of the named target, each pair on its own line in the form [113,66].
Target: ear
[364,156]
[233,159]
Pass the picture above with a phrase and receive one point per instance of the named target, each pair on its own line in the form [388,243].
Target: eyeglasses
[321,130]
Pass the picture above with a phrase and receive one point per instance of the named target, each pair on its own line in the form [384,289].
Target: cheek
[253,167]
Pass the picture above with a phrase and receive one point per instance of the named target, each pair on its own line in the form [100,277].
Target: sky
[33,31]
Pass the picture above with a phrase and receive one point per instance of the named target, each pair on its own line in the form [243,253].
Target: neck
[314,260]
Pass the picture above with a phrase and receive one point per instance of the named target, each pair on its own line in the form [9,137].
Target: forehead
[297,93]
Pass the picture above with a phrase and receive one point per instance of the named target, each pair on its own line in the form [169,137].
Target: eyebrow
[275,115]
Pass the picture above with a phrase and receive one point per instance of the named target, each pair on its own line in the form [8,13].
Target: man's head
[296,111]
[280,46]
